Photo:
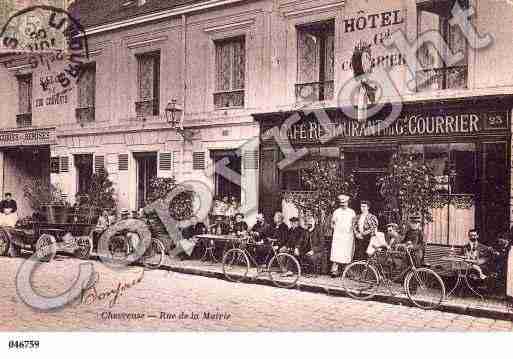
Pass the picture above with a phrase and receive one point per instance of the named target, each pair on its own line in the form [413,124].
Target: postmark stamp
[55,48]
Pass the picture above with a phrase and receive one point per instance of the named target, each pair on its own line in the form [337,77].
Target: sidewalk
[474,306]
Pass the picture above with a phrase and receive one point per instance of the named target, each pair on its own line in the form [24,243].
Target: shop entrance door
[146,171]
[368,165]
[369,191]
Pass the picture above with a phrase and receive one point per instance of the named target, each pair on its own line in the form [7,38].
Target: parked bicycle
[124,237]
[424,288]
[283,269]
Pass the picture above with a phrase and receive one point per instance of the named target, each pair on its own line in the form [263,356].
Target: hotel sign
[424,124]
[30,137]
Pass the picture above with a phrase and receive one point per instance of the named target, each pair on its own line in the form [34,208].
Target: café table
[213,241]
[463,266]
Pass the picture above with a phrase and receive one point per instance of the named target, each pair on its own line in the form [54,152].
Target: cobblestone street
[166,301]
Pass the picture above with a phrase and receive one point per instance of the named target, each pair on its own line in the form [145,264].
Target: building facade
[237,69]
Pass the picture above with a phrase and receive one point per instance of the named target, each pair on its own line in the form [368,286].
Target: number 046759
[23,344]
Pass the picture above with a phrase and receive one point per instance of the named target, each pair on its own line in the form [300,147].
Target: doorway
[368,165]
[227,182]
[146,167]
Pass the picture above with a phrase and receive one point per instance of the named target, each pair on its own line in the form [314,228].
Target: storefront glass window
[454,165]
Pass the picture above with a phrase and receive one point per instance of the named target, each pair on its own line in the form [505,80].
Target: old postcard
[255,165]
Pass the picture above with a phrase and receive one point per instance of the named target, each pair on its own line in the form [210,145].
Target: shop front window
[454,165]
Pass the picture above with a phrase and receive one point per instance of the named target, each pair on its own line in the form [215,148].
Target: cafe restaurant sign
[31,137]
[434,123]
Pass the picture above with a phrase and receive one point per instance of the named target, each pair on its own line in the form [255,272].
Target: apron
[509,276]
[342,247]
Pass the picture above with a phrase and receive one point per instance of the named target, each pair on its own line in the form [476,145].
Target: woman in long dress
[509,275]
[342,247]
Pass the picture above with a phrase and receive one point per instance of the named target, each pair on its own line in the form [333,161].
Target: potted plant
[46,200]
[99,196]
[323,183]
[413,186]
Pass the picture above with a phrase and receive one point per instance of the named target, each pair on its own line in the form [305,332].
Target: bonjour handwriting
[90,295]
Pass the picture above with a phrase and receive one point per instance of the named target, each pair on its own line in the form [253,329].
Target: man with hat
[415,237]
[342,247]
[295,236]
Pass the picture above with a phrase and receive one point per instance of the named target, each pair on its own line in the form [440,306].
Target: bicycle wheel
[235,265]
[154,255]
[424,288]
[284,270]
[360,280]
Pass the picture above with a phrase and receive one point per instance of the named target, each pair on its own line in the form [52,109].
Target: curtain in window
[146,76]
[86,87]
[308,57]
[25,94]
[223,61]
[427,54]
[239,60]
[329,58]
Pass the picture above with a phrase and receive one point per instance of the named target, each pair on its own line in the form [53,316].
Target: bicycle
[120,247]
[423,286]
[211,250]
[283,269]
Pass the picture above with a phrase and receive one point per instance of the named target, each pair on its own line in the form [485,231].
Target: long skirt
[509,275]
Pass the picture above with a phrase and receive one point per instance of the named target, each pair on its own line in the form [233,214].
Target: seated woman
[240,227]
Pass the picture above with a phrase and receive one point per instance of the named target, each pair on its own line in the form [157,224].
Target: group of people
[355,237]
[225,206]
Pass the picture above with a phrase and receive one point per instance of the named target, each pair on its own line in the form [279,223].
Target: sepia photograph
[255,166]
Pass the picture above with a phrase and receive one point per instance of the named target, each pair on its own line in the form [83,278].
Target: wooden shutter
[251,160]
[54,165]
[99,164]
[64,164]
[165,161]
[198,160]
[123,162]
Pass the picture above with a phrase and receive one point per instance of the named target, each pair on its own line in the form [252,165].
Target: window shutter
[198,160]
[175,160]
[99,164]
[165,161]
[54,165]
[64,164]
[123,162]
[251,160]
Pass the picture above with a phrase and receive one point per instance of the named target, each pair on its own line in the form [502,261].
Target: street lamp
[173,114]
[174,118]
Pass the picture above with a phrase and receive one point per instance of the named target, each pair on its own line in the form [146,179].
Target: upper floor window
[315,59]
[230,72]
[435,73]
[86,93]
[24,117]
[148,84]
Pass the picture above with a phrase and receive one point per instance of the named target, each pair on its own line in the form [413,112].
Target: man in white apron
[342,247]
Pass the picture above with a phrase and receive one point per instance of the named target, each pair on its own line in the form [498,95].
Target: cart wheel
[4,242]
[84,247]
[46,247]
